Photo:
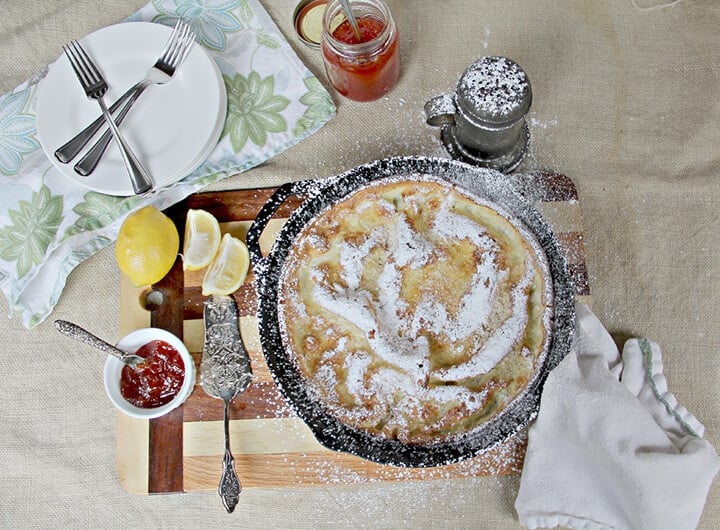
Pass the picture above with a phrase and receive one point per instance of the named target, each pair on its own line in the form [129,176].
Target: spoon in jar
[84,336]
[351,18]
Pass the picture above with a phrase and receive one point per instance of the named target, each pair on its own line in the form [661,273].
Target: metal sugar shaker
[483,121]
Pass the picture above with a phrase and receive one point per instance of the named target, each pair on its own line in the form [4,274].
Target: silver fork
[175,51]
[160,73]
[95,88]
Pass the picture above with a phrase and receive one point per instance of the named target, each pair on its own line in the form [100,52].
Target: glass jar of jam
[361,69]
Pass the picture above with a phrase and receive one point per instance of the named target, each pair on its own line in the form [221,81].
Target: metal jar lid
[494,91]
[308,21]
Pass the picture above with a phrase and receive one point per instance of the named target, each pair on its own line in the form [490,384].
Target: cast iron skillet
[322,194]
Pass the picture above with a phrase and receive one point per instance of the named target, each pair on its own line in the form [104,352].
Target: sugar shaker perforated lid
[494,91]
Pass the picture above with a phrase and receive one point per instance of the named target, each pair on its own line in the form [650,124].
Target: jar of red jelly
[364,69]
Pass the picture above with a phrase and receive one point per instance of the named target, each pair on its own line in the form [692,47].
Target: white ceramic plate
[172,128]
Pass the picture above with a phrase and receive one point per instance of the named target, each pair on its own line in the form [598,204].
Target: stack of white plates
[172,128]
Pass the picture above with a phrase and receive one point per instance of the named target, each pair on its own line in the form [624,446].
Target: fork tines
[177,47]
[90,77]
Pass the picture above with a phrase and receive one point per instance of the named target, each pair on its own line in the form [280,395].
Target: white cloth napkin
[611,447]
[49,224]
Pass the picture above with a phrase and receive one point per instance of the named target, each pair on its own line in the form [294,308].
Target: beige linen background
[626,103]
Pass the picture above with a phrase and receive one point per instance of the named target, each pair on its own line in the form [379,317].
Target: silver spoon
[84,336]
[351,17]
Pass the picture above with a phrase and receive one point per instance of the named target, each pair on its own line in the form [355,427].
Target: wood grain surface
[182,451]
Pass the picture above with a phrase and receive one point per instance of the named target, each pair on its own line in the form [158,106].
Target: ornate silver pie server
[225,372]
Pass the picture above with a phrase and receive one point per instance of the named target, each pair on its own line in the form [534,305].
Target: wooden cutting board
[183,450]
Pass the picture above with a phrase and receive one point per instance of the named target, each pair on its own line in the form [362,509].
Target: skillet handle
[263,218]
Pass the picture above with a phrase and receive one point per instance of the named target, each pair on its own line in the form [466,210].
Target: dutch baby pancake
[415,310]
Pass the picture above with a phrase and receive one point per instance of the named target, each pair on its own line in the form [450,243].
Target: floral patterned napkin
[48,224]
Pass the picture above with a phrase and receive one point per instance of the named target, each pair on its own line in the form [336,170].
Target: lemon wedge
[228,270]
[202,239]
[147,246]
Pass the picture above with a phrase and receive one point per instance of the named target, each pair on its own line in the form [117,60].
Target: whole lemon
[147,246]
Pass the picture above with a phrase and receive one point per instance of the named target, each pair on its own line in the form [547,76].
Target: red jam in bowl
[157,380]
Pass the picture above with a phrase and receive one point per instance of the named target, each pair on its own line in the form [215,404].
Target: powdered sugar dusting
[500,342]
[402,363]
[326,427]
[494,86]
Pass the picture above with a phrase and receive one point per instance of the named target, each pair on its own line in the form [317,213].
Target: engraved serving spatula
[225,372]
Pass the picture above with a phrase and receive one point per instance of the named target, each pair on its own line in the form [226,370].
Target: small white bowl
[131,343]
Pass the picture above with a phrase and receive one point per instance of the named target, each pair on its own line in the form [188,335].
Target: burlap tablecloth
[625,103]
